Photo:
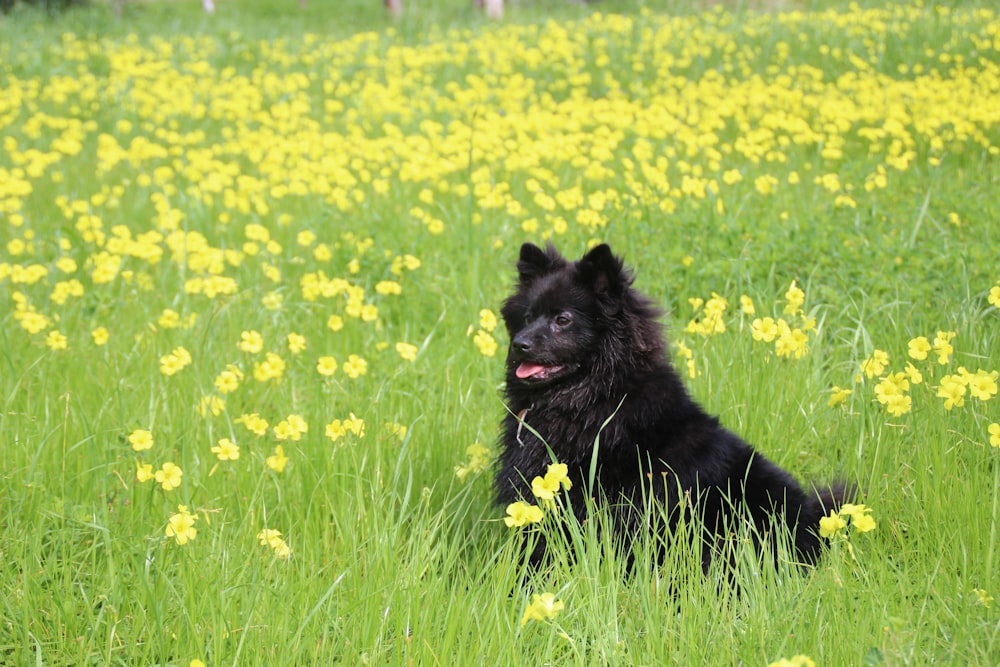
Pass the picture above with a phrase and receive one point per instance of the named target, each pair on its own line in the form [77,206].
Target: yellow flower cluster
[836,522]
[789,341]
[483,339]
[546,490]
[893,388]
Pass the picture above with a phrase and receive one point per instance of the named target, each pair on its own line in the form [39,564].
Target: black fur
[587,358]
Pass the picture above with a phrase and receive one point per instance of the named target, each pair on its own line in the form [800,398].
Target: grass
[181,180]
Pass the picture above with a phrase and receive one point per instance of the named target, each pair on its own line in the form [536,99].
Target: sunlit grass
[249,357]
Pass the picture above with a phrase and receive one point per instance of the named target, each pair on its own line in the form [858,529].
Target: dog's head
[561,311]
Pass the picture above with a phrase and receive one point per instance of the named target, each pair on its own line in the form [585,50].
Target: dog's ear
[534,262]
[604,272]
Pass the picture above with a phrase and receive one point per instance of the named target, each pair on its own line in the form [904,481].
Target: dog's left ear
[602,270]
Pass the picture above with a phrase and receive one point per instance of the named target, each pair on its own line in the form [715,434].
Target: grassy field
[249,367]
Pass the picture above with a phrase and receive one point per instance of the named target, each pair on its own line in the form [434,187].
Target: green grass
[727,150]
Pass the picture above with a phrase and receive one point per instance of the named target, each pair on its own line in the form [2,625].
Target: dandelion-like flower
[994,431]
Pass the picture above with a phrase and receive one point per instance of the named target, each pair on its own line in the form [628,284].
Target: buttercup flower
[487,320]
[251,341]
[994,431]
[169,476]
[918,348]
[406,351]
[277,461]
[875,364]
[838,396]
[143,472]
[831,525]
[226,450]
[521,513]
[141,440]
[542,607]
[180,526]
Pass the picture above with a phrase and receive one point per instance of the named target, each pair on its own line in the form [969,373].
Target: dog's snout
[522,344]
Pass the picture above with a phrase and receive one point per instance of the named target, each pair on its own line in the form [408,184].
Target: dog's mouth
[527,370]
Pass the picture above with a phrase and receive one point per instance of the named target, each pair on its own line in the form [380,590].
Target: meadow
[250,364]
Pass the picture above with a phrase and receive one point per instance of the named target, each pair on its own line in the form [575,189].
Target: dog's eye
[563,319]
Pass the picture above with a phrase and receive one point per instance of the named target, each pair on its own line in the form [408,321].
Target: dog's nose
[522,344]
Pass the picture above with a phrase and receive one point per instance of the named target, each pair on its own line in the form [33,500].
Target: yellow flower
[100,336]
[212,404]
[335,323]
[228,380]
[919,347]
[875,364]
[355,367]
[942,346]
[831,525]
[278,460]
[254,423]
[861,520]
[894,384]
[141,439]
[746,305]
[913,374]
[795,661]
[296,343]
[180,526]
[521,513]
[406,351]
[251,341]
[226,450]
[169,476]
[983,385]
[326,366]
[272,368]
[994,431]
[794,298]
[994,297]
[485,342]
[143,472]
[487,320]
[272,538]
[542,607]
[479,460]
[56,340]
[952,390]
[764,329]
[838,396]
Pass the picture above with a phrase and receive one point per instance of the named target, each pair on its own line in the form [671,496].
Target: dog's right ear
[534,262]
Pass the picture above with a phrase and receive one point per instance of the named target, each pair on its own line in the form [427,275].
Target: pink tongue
[526,370]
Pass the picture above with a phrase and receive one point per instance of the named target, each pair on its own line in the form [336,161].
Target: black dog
[587,365]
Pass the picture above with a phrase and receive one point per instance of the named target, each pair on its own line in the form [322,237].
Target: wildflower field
[250,271]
